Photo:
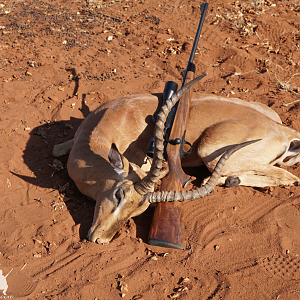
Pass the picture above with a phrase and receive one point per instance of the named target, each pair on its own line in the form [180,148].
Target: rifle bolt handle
[177,141]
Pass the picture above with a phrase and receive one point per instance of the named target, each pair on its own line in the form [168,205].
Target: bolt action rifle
[167,224]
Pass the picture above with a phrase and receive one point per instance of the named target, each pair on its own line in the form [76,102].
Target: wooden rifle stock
[167,228]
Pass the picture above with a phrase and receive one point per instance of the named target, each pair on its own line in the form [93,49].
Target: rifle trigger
[187,182]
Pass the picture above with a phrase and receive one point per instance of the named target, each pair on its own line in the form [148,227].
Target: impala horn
[200,192]
[147,183]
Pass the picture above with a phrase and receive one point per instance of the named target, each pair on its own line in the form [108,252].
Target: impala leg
[62,149]
[267,176]
[252,165]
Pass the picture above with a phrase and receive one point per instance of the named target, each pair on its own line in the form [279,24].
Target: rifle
[167,224]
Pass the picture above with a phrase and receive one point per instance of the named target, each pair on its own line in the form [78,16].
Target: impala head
[118,201]
[130,191]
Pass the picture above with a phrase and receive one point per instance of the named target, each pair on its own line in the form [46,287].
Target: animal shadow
[50,173]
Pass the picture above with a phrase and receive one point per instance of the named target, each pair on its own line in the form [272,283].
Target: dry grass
[241,15]
[287,85]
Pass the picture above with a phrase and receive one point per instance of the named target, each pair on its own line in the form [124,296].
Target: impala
[108,162]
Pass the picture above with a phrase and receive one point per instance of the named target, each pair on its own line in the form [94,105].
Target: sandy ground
[241,242]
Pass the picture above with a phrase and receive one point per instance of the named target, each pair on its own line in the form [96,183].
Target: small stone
[138,297]
[124,289]
[174,296]
[216,247]
[153,258]
[184,280]
[182,289]
[57,165]
[31,63]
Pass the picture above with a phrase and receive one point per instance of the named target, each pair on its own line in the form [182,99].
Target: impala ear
[118,161]
[292,155]
[115,158]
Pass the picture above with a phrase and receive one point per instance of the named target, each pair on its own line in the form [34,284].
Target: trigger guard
[185,152]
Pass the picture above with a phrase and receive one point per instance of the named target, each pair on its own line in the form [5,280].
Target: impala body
[108,155]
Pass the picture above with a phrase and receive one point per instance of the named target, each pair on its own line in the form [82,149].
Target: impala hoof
[232,181]
[98,241]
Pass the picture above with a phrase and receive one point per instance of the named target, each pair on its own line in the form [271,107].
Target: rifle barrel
[203,8]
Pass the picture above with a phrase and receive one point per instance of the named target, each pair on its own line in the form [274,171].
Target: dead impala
[108,161]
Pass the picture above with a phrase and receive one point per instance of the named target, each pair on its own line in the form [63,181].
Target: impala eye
[118,195]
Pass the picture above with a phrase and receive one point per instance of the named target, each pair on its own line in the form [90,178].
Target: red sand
[242,242]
